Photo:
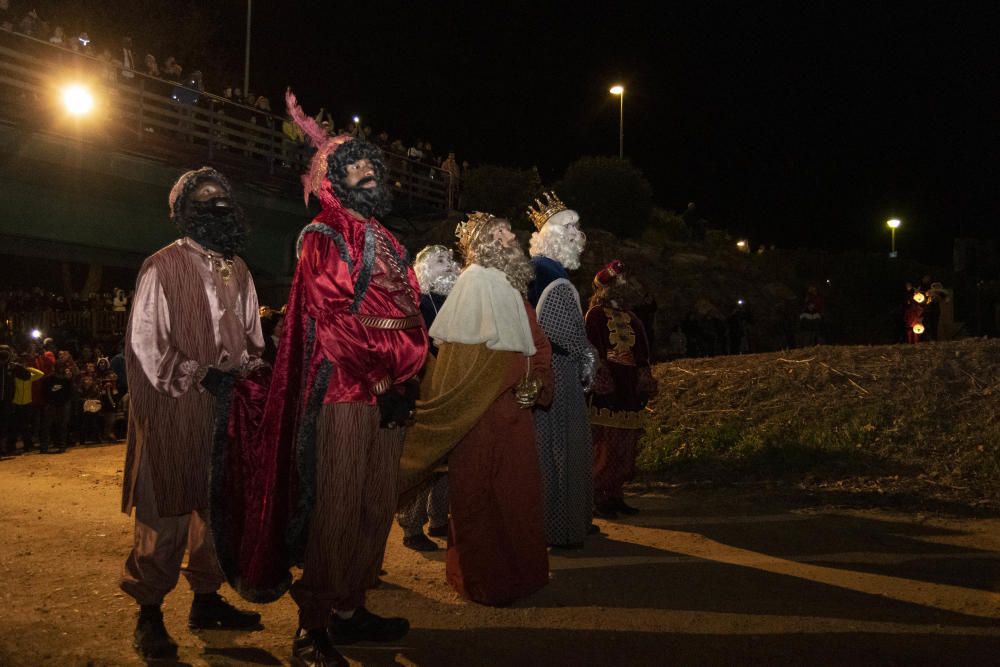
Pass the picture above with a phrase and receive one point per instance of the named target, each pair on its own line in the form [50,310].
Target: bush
[664,227]
[609,194]
[502,191]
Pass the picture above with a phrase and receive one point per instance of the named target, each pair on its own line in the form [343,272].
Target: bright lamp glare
[36,334]
[894,223]
[918,328]
[77,100]
[357,119]
[617,90]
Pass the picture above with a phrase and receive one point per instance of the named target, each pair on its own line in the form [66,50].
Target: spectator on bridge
[151,67]
[172,71]
[6,19]
[58,36]
[30,24]
[450,166]
[382,141]
[416,151]
[127,59]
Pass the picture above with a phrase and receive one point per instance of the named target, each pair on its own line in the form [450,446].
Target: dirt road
[706,578]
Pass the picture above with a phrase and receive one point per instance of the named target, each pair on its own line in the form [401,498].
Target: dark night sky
[794,125]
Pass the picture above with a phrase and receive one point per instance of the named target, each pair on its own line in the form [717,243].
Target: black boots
[209,611]
[314,649]
[623,508]
[366,626]
[419,542]
[151,639]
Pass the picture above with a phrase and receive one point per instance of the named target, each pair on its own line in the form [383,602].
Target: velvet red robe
[265,445]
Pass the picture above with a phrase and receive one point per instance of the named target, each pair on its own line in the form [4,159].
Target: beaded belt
[394,323]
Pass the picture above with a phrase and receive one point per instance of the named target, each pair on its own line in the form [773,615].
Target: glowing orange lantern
[919,297]
[918,328]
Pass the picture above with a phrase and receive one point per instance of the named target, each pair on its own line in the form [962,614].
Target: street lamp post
[246,60]
[619,90]
[893,224]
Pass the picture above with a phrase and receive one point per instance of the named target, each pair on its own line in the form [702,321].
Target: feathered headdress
[315,181]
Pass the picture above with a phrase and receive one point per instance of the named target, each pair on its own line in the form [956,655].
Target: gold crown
[539,216]
[468,232]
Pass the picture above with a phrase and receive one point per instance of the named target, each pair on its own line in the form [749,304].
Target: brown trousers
[357,466]
[615,450]
[154,565]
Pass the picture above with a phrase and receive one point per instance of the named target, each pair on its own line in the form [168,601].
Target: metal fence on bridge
[172,123]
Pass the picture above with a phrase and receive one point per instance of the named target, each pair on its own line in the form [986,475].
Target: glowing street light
[893,225]
[619,90]
[357,119]
[77,99]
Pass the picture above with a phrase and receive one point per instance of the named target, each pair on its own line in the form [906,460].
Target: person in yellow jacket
[24,410]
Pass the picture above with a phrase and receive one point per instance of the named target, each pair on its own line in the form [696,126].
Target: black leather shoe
[568,545]
[619,504]
[605,510]
[313,649]
[366,626]
[438,531]
[419,543]
[152,642]
[210,611]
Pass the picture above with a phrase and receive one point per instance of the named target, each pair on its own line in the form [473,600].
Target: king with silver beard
[563,431]
[437,272]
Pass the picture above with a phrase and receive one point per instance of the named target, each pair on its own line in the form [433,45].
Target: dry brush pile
[918,420]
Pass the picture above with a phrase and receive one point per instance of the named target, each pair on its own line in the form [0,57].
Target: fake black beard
[369,202]
[226,233]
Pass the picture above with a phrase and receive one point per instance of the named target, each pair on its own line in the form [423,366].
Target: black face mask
[218,224]
[217,207]
[369,202]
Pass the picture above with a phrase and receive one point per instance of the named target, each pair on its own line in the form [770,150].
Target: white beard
[563,244]
[443,283]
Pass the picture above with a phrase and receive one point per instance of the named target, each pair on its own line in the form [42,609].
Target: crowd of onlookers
[52,398]
[121,62]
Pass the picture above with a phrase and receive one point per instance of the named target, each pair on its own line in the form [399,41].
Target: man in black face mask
[194,321]
[203,210]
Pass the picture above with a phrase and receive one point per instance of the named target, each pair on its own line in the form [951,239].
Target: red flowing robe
[266,449]
[496,537]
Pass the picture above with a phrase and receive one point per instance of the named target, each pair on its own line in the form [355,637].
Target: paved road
[706,578]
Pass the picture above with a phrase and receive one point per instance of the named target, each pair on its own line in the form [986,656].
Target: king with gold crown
[492,367]
[562,431]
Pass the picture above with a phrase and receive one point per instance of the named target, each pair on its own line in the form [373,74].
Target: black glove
[396,406]
[214,380]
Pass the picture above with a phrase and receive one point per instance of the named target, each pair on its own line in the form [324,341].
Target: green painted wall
[111,208]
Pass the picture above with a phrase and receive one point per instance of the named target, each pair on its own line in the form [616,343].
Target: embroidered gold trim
[394,323]
[618,418]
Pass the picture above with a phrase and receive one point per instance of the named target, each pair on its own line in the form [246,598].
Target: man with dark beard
[194,320]
[327,452]
[623,386]
[493,365]
[437,272]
